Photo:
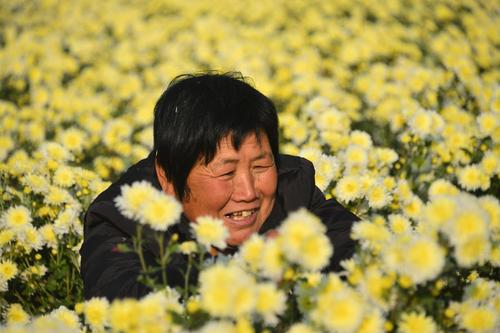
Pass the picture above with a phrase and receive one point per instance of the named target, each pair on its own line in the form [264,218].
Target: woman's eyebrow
[225,161]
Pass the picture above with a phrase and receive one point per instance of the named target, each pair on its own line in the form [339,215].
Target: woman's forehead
[253,146]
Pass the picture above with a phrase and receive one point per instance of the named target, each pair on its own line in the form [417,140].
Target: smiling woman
[216,150]
[237,186]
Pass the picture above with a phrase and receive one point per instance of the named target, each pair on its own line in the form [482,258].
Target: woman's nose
[244,188]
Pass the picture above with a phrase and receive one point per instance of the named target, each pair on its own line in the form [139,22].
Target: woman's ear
[166,185]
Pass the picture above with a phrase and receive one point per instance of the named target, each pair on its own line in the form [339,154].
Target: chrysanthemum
[339,312]
[348,189]
[8,270]
[301,328]
[270,302]
[360,138]
[16,314]
[217,327]
[470,177]
[219,300]
[133,197]
[122,315]
[492,207]
[416,323]
[488,122]
[36,183]
[467,224]
[96,312]
[373,322]
[272,262]
[251,251]
[64,176]
[479,319]
[475,250]
[386,156]
[442,186]
[423,260]
[378,197]
[68,317]
[370,234]
[160,211]
[399,224]
[73,139]
[302,237]
[48,235]
[210,231]
[356,156]
[16,218]
[421,123]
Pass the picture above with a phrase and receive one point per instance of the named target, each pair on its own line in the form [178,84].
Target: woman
[215,149]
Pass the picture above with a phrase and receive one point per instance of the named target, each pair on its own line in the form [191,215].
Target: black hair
[197,111]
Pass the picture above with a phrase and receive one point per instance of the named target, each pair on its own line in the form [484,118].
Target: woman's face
[238,187]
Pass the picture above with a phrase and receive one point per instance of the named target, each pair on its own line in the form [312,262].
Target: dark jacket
[113,274]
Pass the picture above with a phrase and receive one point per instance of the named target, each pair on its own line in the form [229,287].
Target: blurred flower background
[397,104]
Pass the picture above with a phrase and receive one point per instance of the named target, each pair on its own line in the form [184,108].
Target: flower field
[396,103]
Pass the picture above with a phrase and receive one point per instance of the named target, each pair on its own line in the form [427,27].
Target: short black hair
[197,111]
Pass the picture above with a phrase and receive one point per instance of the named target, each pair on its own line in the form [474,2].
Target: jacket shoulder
[295,182]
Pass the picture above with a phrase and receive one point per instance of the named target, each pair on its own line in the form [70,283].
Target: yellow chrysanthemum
[64,176]
[471,177]
[219,300]
[301,328]
[416,323]
[479,319]
[423,260]
[123,315]
[96,312]
[372,323]
[487,122]
[8,270]
[442,187]
[475,250]
[16,314]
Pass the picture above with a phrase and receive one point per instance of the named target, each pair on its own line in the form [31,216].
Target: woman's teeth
[241,214]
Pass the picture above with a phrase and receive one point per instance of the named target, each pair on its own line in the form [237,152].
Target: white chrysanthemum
[210,231]
[66,220]
[160,212]
[327,169]
[423,259]
[271,302]
[16,218]
[361,139]
[303,240]
[132,198]
[348,189]
[55,152]
[378,197]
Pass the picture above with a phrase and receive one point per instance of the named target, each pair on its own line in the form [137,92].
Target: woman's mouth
[242,215]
